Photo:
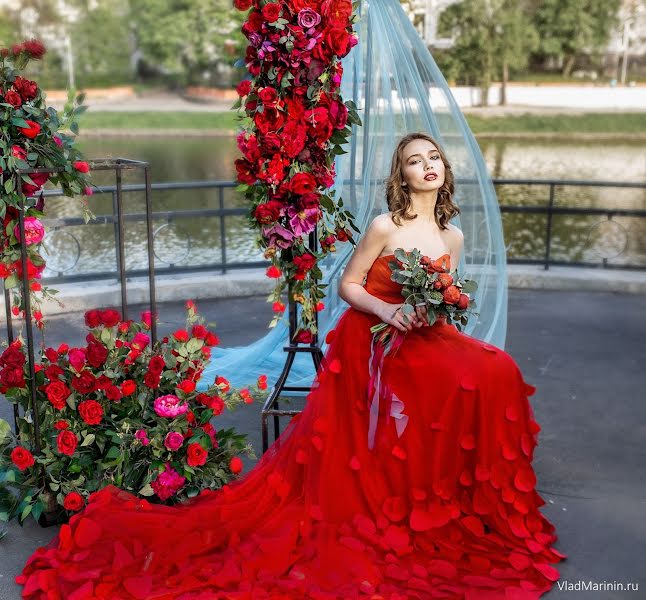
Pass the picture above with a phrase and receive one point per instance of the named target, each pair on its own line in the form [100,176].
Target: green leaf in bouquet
[71,401]
[12,281]
[18,122]
[431,317]
[401,256]
[469,286]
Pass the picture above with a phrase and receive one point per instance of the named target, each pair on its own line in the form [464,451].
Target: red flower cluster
[95,399]
[298,123]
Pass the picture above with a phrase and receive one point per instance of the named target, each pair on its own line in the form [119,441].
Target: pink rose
[77,358]
[173,441]
[308,18]
[34,231]
[142,436]
[169,406]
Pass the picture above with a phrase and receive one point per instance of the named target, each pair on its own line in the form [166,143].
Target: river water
[86,249]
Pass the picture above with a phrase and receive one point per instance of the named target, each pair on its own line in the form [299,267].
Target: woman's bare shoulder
[383,224]
[454,232]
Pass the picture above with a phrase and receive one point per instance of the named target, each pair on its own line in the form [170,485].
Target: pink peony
[173,441]
[142,436]
[34,231]
[168,483]
[169,406]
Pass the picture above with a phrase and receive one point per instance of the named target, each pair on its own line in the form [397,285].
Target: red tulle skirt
[444,507]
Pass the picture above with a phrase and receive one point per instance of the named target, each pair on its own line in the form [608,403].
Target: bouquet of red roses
[428,282]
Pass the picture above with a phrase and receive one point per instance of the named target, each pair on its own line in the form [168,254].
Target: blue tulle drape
[398,88]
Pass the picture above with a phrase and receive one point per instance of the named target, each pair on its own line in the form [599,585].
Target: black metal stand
[272,405]
[118,165]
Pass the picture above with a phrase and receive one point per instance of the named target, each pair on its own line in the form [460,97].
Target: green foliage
[568,27]
[188,39]
[489,38]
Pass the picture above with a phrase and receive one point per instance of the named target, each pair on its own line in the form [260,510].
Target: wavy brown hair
[398,195]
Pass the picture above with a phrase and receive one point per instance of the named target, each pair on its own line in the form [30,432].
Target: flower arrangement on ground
[294,123]
[118,411]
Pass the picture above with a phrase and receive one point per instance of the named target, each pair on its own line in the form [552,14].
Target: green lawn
[560,124]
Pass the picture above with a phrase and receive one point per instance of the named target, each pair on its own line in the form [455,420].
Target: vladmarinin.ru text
[597,586]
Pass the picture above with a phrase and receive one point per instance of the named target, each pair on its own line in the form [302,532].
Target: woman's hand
[392,314]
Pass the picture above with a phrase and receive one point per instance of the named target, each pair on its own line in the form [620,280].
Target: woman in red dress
[441,504]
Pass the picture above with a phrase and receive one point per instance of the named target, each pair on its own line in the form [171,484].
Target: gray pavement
[585,353]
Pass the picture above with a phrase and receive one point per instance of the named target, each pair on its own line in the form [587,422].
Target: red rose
[66,442]
[110,317]
[151,380]
[451,294]
[113,393]
[81,166]
[268,95]
[91,412]
[338,115]
[304,262]
[12,97]
[93,318]
[26,88]
[73,501]
[57,393]
[52,372]
[463,302]
[10,378]
[246,171]
[96,354]
[156,364]
[13,356]
[445,279]
[34,48]
[242,4]
[199,332]
[128,387]
[60,425]
[18,152]
[219,380]
[302,183]
[235,464]
[186,386]
[271,12]
[294,135]
[304,336]
[22,458]
[211,339]
[85,383]
[32,129]
[181,335]
[103,382]
[77,358]
[244,87]
[338,40]
[268,212]
[196,455]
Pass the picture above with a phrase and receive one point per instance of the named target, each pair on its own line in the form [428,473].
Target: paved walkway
[584,351]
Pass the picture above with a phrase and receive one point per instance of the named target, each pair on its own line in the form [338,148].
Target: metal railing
[548,210]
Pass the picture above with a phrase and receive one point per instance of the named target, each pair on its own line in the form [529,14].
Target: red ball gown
[442,506]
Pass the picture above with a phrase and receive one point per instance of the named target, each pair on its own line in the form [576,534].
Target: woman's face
[422,166]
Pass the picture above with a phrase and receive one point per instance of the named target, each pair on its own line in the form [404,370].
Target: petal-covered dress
[443,506]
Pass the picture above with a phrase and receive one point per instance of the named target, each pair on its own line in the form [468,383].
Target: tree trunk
[484,93]
[568,65]
[503,85]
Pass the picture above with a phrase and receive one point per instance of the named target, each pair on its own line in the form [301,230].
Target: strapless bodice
[379,283]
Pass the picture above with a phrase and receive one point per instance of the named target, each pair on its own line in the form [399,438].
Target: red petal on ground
[467,441]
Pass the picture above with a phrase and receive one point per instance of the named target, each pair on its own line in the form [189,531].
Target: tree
[187,39]
[569,27]
[490,38]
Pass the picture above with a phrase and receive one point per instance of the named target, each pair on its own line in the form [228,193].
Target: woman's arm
[366,252]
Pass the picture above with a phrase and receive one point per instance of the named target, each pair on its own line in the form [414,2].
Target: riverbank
[602,125]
